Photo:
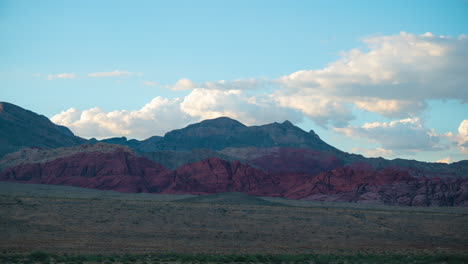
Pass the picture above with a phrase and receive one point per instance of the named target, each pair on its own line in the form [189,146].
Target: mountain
[221,155]
[223,132]
[20,128]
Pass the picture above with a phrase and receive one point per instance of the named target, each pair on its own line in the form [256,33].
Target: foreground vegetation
[43,257]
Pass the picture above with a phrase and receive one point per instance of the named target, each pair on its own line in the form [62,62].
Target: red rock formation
[386,186]
[122,171]
[119,171]
[295,160]
[215,175]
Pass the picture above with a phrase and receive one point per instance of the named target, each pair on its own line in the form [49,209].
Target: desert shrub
[39,256]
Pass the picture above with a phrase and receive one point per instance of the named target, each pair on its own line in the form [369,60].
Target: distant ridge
[224,132]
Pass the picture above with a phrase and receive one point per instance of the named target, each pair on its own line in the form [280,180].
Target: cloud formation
[150,83]
[405,135]
[444,160]
[393,78]
[162,115]
[155,118]
[115,73]
[251,110]
[460,139]
[183,84]
[61,76]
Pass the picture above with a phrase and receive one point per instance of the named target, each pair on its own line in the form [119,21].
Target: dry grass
[109,226]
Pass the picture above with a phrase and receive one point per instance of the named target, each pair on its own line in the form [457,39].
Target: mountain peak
[287,123]
[221,122]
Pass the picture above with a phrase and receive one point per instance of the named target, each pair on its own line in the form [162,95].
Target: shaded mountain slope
[21,128]
[224,132]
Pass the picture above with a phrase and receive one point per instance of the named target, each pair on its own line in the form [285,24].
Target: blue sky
[97,67]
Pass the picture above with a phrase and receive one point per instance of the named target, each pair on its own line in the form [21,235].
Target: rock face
[20,128]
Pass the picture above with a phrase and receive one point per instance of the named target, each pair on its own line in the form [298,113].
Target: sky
[378,78]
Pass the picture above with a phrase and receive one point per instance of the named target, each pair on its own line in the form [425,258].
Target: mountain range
[221,155]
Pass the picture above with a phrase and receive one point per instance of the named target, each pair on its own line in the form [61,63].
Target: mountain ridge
[222,155]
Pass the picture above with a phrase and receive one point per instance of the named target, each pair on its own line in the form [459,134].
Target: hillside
[21,128]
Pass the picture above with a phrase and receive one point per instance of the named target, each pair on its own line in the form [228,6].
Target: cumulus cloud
[322,110]
[399,67]
[115,73]
[61,76]
[162,115]
[405,135]
[238,84]
[394,77]
[183,84]
[155,118]
[209,103]
[460,139]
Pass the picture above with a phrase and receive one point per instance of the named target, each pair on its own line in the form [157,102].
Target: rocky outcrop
[118,170]
[215,175]
[387,186]
[122,171]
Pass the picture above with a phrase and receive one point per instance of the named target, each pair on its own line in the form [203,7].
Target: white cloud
[61,76]
[150,83]
[115,73]
[155,118]
[321,110]
[460,139]
[377,152]
[444,160]
[238,84]
[162,115]
[406,135]
[183,84]
[394,77]
[391,108]
[210,103]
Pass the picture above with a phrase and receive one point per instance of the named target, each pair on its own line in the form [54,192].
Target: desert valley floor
[61,219]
